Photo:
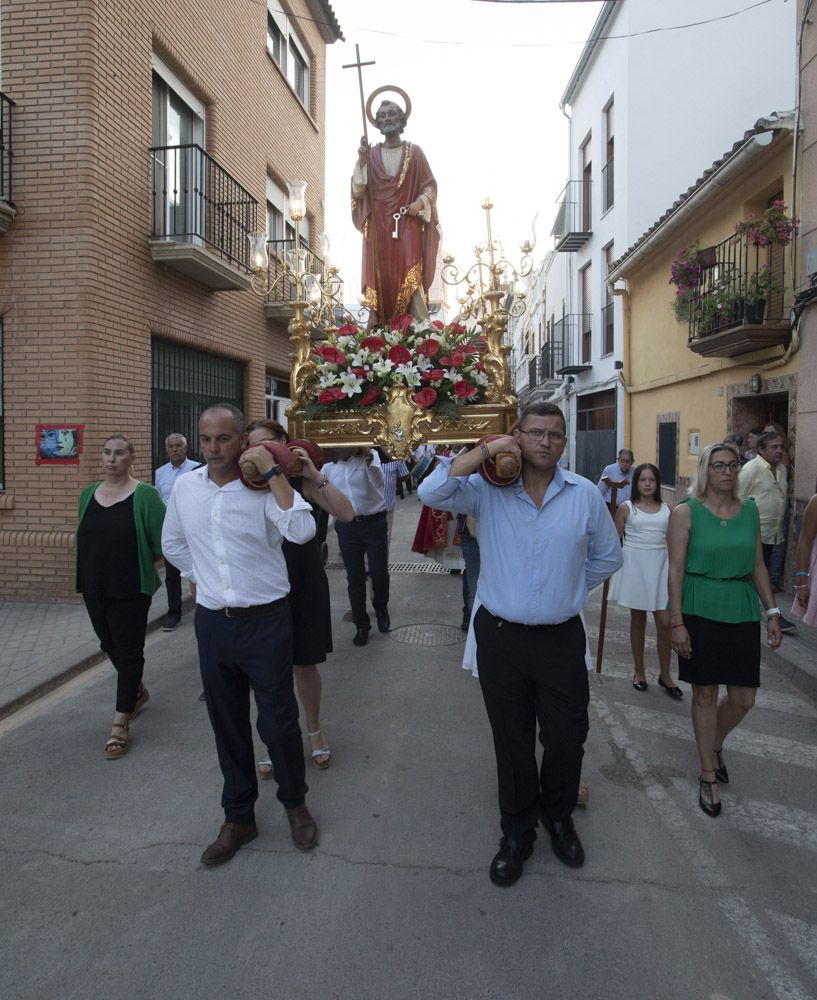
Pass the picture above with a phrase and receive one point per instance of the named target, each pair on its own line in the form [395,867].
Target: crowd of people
[533,545]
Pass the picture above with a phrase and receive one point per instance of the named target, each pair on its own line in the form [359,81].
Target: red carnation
[425,397]
[348,330]
[373,343]
[399,355]
[332,395]
[402,323]
[370,396]
[332,355]
[464,390]
[428,347]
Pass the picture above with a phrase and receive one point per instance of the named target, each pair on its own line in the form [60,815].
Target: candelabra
[485,286]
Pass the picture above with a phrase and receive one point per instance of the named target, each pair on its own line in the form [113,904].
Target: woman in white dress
[641,583]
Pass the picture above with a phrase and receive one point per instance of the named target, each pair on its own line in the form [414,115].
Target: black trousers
[364,542]
[120,625]
[173,582]
[529,675]
[234,654]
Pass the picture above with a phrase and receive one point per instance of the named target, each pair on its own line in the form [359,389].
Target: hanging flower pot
[708,256]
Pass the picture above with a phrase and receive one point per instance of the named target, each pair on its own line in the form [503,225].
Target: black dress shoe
[720,771]
[565,841]
[673,692]
[640,685]
[383,621]
[230,838]
[361,636]
[509,860]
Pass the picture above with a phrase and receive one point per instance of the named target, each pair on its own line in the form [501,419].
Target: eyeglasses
[723,466]
[537,434]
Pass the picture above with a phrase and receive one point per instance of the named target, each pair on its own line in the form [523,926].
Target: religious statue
[394,205]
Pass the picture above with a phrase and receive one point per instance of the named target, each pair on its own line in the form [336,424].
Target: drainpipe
[623,292]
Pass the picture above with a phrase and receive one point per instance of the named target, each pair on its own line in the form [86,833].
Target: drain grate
[428,634]
[404,567]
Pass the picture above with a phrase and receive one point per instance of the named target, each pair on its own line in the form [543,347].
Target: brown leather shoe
[304,830]
[230,837]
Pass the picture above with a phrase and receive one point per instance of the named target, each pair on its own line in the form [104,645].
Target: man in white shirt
[620,470]
[164,480]
[228,538]
[359,476]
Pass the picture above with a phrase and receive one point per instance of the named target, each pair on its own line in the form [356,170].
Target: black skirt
[309,600]
[722,653]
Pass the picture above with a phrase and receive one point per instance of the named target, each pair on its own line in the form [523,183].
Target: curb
[64,676]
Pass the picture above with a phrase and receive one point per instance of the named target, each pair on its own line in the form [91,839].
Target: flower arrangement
[721,306]
[685,271]
[775,226]
[762,285]
[441,363]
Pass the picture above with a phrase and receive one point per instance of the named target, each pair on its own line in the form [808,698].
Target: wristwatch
[274,471]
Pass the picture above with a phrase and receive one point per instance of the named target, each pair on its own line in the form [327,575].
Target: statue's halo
[390,89]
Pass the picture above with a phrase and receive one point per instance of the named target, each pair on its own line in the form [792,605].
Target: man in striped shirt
[392,471]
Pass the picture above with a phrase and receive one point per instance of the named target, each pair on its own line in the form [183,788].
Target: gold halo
[392,90]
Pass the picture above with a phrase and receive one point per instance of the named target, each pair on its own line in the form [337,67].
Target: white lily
[383,367]
[453,375]
[409,373]
[327,379]
[350,383]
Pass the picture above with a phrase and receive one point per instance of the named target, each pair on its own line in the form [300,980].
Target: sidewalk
[45,645]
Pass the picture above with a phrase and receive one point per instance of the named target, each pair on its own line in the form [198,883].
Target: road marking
[801,936]
[771,748]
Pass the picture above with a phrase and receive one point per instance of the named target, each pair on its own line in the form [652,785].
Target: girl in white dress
[641,583]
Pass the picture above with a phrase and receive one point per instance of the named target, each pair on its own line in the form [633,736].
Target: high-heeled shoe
[708,804]
[640,685]
[720,771]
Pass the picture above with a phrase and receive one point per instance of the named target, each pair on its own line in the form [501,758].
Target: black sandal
[709,805]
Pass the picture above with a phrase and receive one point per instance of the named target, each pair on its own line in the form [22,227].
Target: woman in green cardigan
[119,540]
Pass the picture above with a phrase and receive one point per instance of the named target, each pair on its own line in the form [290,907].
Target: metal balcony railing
[607,185]
[573,332]
[572,226]
[282,253]
[196,200]
[6,151]
[746,285]
[608,329]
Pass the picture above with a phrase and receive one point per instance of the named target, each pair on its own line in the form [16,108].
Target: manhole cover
[404,567]
[428,635]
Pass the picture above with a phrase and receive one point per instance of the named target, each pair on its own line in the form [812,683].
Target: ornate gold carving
[408,156]
[369,299]
[411,282]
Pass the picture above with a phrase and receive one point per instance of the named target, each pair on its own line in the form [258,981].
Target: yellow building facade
[689,382]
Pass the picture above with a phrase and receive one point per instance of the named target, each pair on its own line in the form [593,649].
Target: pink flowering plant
[775,226]
[439,363]
[685,274]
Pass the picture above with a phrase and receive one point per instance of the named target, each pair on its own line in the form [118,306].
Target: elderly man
[620,470]
[545,542]
[764,478]
[228,538]
[164,480]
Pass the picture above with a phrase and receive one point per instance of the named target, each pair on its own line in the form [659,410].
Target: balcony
[201,218]
[278,304]
[740,303]
[572,226]
[7,209]
[573,334]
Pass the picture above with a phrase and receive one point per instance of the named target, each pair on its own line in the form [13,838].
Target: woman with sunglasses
[716,574]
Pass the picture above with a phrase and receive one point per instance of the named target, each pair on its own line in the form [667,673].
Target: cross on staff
[614,488]
[359,67]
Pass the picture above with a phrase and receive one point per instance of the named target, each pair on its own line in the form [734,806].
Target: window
[280,228]
[276,399]
[668,448]
[607,312]
[607,185]
[587,186]
[288,52]
[586,318]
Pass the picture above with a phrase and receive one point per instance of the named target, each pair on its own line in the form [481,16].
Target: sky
[485,81]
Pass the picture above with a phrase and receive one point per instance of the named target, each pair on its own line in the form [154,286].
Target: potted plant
[721,306]
[760,287]
[686,271]
[774,227]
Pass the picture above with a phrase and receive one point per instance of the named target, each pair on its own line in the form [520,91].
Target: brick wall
[80,293]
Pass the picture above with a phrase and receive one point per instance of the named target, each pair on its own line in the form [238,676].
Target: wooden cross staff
[359,67]
[614,488]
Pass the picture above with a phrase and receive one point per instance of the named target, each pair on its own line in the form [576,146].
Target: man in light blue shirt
[620,471]
[545,542]
[165,479]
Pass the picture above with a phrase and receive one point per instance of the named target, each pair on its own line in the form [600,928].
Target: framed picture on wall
[58,444]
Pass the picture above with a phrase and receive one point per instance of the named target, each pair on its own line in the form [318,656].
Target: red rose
[399,355]
[463,390]
[425,397]
[370,396]
[437,374]
[428,347]
[332,355]
[457,358]
[438,325]
[348,330]
[332,395]
[402,323]
[373,343]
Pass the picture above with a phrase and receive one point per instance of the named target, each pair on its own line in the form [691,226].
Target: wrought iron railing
[744,284]
[281,258]
[607,185]
[196,200]
[608,328]
[6,150]
[573,333]
[572,226]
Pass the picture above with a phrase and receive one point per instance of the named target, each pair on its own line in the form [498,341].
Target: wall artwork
[58,444]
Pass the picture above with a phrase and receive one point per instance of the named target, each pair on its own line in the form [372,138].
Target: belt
[370,517]
[532,628]
[255,609]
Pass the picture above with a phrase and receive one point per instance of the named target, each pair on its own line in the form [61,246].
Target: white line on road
[801,936]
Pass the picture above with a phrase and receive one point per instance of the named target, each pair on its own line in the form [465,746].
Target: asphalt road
[103,895]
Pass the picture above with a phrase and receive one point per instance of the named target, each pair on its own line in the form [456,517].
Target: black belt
[532,628]
[255,609]
[370,517]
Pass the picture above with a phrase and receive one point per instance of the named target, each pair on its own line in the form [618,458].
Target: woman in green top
[119,540]
[716,574]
